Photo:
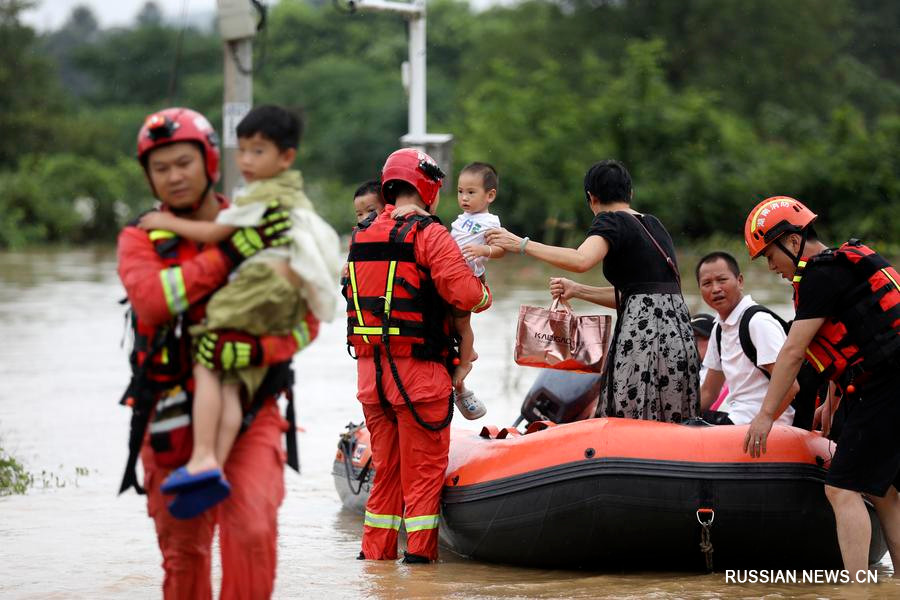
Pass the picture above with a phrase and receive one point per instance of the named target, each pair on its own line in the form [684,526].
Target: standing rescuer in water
[847,326]
[404,274]
[168,280]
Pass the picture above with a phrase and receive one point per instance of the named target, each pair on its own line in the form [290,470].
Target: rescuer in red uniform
[168,280]
[847,327]
[404,274]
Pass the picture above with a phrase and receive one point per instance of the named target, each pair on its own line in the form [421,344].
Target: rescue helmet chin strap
[794,257]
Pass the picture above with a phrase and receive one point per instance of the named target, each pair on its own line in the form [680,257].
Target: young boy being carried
[476,189]
[270,293]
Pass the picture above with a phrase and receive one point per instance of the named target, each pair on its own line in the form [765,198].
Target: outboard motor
[561,397]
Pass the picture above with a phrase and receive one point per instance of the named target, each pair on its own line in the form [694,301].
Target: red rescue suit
[168,280]
[871,312]
[398,262]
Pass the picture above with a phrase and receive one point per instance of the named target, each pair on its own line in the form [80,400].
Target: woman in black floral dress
[653,369]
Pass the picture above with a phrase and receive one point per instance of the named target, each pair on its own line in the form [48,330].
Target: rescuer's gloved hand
[271,232]
[227,350]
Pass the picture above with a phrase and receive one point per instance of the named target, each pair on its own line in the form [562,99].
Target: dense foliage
[713,105]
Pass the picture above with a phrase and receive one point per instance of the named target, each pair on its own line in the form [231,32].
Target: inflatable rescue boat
[621,494]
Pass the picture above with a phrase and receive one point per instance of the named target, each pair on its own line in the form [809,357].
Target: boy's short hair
[489,178]
[372,186]
[609,181]
[718,255]
[275,123]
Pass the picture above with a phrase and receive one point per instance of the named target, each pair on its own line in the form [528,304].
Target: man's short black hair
[372,186]
[489,178]
[274,123]
[718,255]
[609,181]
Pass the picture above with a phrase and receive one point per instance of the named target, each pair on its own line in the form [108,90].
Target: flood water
[62,371]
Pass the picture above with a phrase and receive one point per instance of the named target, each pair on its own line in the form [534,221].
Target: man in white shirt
[722,288]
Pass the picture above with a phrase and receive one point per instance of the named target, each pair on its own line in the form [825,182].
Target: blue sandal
[180,480]
[192,502]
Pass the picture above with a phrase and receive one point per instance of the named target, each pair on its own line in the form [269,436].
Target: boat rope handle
[705,542]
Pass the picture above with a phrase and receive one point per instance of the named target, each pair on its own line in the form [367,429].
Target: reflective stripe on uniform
[888,275]
[351,267]
[819,366]
[160,234]
[484,299]
[301,335]
[172,281]
[421,523]
[375,330]
[383,521]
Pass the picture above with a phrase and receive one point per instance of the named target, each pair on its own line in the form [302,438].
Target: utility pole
[237,25]
[438,145]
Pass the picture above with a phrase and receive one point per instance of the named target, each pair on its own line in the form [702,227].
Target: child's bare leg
[206,415]
[466,349]
[230,423]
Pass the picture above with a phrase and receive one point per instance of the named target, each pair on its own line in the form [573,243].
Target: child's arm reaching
[401,212]
[473,251]
[198,231]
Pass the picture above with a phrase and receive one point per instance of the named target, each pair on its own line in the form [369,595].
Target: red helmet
[773,218]
[415,168]
[180,125]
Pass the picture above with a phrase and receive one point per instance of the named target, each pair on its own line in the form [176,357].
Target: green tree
[29,94]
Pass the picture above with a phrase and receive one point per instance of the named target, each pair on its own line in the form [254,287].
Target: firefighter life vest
[865,335]
[390,297]
[161,371]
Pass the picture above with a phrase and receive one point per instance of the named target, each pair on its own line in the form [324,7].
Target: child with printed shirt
[475,192]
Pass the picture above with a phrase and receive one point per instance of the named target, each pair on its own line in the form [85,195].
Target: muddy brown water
[62,370]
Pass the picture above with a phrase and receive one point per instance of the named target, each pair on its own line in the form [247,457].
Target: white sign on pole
[232,113]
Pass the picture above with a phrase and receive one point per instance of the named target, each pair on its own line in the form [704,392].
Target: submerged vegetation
[13,477]
[713,105]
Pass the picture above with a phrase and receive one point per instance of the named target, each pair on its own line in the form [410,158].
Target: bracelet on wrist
[522,244]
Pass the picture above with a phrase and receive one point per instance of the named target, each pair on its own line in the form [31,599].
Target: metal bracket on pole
[438,145]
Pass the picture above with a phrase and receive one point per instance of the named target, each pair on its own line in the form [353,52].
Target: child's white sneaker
[471,407]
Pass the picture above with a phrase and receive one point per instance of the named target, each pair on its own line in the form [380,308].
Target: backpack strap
[747,346]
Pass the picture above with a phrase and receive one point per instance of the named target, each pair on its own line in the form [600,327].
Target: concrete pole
[417,64]
[237,101]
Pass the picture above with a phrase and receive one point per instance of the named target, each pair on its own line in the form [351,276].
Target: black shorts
[867,458]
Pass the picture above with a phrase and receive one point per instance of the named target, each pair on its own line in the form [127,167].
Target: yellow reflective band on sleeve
[173,287]
[484,299]
[375,330]
[797,278]
[383,521]
[301,335]
[888,275]
[421,523]
[816,363]
[164,355]
[160,234]
[359,318]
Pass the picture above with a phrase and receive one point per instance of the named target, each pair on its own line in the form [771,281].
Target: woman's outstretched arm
[566,288]
[589,253]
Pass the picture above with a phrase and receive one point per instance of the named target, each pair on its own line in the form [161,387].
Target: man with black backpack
[744,343]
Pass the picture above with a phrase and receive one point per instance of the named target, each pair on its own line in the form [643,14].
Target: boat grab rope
[705,542]
[363,477]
